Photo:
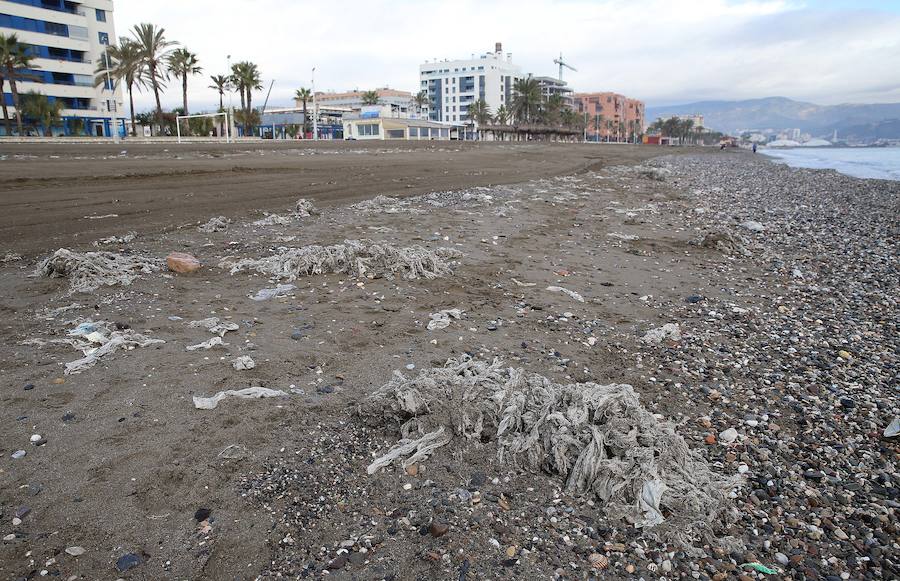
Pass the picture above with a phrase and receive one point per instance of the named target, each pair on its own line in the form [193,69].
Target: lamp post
[315,107]
[115,106]
[229,119]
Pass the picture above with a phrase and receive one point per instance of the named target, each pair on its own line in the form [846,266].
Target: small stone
[845,355]
[76,551]
[29,386]
[412,469]
[18,454]
[182,263]
[297,335]
[629,568]
[202,514]
[337,563]
[407,486]
[23,511]
[411,366]
[728,436]
[510,551]
[35,438]
[438,529]
[325,389]
[16,521]
[710,439]
[598,561]
[59,381]
[694,299]
[782,559]
[10,537]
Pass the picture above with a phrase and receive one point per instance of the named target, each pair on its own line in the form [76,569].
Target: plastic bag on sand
[109,340]
[271,293]
[571,293]
[89,271]
[441,319]
[670,331]
[355,257]
[215,327]
[598,438]
[214,342]
[210,403]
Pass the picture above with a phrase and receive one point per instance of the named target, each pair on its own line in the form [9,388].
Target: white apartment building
[68,39]
[453,85]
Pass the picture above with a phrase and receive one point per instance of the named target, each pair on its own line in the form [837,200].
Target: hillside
[861,121]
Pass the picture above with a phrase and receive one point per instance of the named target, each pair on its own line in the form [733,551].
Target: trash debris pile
[729,244]
[124,239]
[598,438]
[361,258]
[658,174]
[210,403]
[100,339]
[305,208]
[273,220]
[441,319]
[381,204]
[89,271]
[216,224]
[214,325]
[668,332]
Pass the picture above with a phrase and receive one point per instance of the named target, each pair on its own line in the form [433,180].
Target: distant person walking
[754,148]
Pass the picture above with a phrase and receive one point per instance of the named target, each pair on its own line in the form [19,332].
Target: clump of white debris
[89,271]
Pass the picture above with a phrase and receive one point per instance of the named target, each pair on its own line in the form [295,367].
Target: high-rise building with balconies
[67,38]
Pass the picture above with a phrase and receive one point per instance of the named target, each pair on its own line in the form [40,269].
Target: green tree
[39,108]
[304,95]
[480,113]
[526,100]
[183,63]
[370,98]
[154,51]
[14,57]
[502,116]
[246,77]
[123,62]
[553,109]
[422,101]
[220,83]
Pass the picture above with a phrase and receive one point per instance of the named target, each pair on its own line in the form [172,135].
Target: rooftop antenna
[562,64]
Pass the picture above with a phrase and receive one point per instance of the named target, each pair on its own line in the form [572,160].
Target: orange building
[611,116]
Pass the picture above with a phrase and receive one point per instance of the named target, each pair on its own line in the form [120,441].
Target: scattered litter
[658,174]
[598,438]
[669,331]
[759,567]
[234,452]
[273,220]
[441,319]
[75,551]
[243,363]
[305,208]
[572,294]
[117,239]
[354,257]
[90,270]
[101,217]
[214,342]
[271,293]
[893,429]
[109,340]
[727,243]
[625,237]
[209,403]
[216,224]
[10,257]
[753,226]
[214,326]
[519,283]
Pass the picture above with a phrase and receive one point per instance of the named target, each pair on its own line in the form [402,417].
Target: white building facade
[68,39]
[452,86]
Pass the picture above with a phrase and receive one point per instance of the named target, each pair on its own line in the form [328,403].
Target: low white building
[67,38]
[371,124]
[453,85]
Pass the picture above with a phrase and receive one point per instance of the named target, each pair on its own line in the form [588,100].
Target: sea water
[862,162]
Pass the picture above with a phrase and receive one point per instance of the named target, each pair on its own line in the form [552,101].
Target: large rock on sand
[182,263]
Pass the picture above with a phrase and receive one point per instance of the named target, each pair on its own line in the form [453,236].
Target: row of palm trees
[685,130]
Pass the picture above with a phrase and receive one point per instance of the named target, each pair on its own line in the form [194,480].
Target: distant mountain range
[860,122]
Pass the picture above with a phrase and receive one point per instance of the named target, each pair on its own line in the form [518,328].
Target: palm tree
[154,50]
[183,63]
[480,113]
[13,58]
[245,76]
[6,120]
[370,98]
[220,83]
[502,116]
[38,107]
[123,62]
[422,101]
[553,108]
[526,99]
[304,95]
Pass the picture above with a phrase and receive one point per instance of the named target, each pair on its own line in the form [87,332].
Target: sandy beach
[751,307]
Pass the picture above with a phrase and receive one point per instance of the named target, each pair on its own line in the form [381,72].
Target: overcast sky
[662,51]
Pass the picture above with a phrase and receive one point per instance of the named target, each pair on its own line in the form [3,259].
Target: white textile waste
[598,438]
[214,342]
[273,220]
[100,339]
[355,257]
[89,271]
[441,319]
[214,225]
[572,294]
[243,363]
[271,293]
[214,326]
[210,403]
[124,239]
[305,208]
[669,331]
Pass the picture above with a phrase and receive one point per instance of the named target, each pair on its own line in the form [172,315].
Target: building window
[104,37]
[396,134]
[101,15]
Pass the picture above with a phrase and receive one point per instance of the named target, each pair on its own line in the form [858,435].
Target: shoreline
[766,315]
